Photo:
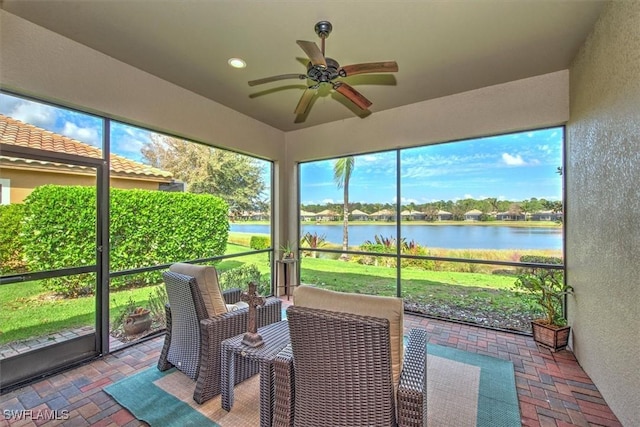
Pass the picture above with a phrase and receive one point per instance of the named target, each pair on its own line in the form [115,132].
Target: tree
[236,178]
[342,170]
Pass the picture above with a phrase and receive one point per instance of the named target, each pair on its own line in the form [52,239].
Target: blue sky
[517,166]
[126,140]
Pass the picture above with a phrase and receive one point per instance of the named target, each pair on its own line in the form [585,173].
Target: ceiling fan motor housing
[321,74]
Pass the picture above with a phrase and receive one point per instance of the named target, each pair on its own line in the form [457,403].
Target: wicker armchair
[193,337]
[342,374]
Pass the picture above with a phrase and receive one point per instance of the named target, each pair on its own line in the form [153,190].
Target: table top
[275,337]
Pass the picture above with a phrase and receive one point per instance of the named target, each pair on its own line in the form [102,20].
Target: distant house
[472,215]
[510,216]
[358,215]
[444,215]
[253,216]
[412,215]
[19,177]
[546,216]
[383,215]
[327,215]
[307,216]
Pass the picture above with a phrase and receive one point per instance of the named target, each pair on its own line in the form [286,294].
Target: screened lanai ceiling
[441,47]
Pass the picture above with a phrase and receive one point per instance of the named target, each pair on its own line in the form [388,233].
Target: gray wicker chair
[193,337]
[337,372]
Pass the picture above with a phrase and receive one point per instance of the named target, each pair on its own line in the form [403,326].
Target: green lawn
[26,310]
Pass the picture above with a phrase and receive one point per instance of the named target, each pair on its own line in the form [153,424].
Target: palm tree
[342,170]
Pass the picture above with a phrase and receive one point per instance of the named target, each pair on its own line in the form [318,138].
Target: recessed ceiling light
[237,63]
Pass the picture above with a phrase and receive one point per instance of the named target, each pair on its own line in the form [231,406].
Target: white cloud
[405,200]
[39,115]
[83,134]
[325,201]
[510,160]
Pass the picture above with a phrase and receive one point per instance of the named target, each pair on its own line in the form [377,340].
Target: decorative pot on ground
[553,337]
[137,322]
[549,288]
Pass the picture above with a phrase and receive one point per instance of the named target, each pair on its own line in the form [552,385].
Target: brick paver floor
[553,390]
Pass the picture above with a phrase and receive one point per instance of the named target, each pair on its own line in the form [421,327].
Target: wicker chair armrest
[216,329]
[284,379]
[412,390]
[234,323]
[232,295]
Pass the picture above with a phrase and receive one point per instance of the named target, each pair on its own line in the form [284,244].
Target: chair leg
[163,363]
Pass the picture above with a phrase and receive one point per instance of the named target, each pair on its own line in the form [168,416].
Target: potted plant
[286,250]
[138,321]
[549,289]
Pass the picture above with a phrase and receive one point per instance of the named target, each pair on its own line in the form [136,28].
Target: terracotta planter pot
[550,336]
[137,323]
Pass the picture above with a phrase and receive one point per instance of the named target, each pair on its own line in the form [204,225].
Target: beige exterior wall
[603,232]
[23,181]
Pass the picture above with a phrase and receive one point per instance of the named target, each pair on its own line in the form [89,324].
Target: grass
[445,287]
[26,310]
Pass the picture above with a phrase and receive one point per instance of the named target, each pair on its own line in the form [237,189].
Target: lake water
[436,236]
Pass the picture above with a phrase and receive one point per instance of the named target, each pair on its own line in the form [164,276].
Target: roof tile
[15,132]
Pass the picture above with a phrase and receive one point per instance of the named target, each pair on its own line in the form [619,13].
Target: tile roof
[15,132]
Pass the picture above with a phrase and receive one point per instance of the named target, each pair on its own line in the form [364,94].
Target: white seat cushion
[390,308]
[207,279]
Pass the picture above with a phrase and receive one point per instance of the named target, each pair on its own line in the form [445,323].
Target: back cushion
[390,308]
[207,280]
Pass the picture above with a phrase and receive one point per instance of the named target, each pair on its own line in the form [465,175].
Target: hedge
[260,242]
[11,255]
[146,228]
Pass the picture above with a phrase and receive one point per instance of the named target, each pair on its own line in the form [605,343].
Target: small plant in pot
[286,251]
[549,289]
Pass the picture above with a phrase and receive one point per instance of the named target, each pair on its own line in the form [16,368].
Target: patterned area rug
[469,389]
[463,389]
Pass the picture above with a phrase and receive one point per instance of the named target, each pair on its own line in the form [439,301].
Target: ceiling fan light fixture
[323,71]
[237,63]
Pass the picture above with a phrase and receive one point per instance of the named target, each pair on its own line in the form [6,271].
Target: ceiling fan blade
[276,78]
[369,67]
[304,102]
[313,52]
[352,94]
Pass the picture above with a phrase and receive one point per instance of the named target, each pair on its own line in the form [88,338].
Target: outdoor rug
[469,389]
[463,389]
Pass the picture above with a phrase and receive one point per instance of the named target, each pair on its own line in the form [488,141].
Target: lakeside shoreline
[523,224]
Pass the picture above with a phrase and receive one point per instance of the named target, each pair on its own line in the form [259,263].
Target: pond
[452,236]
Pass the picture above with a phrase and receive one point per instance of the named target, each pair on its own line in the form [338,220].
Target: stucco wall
[23,181]
[603,231]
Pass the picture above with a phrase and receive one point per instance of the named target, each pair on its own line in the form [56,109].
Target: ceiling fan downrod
[323,29]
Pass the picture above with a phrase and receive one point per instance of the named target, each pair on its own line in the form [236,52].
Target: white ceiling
[441,47]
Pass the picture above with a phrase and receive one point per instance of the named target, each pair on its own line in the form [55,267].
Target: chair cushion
[237,306]
[390,308]
[207,280]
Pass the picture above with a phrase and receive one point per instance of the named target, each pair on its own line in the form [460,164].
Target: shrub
[11,253]
[260,242]
[313,241]
[240,277]
[146,228]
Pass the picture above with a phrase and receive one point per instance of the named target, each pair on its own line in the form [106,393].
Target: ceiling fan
[324,70]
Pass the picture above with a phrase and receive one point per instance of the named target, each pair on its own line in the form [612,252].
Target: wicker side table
[276,337]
